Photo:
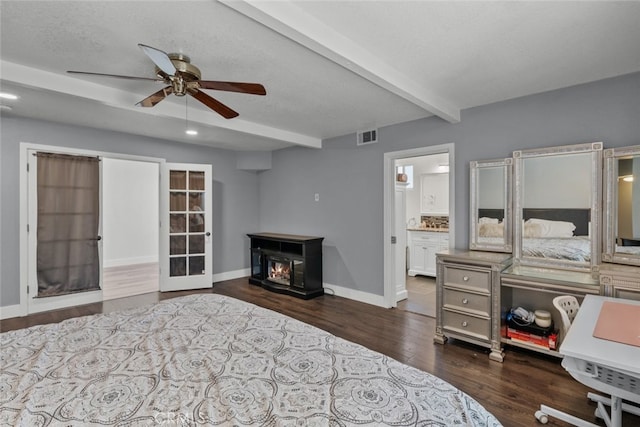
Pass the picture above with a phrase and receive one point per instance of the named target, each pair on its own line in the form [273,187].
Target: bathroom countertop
[432,229]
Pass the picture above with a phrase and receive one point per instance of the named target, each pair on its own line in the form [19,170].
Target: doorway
[417,177]
[425,163]
[130,195]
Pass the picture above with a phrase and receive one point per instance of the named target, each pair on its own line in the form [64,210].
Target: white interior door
[186,243]
[401,244]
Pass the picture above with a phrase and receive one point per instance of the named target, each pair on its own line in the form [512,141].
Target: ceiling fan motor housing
[186,72]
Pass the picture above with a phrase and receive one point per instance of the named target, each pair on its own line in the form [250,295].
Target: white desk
[607,366]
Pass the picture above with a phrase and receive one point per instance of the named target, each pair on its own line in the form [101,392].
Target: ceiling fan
[182,78]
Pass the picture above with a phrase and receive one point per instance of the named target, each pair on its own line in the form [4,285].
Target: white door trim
[389,220]
[25,149]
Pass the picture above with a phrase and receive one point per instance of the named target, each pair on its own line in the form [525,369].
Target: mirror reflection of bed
[491,225]
[628,246]
[557,234]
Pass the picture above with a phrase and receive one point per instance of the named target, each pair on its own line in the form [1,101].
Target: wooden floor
[512,390]
[421,296]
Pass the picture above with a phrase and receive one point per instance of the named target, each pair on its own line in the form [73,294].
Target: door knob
[207,234]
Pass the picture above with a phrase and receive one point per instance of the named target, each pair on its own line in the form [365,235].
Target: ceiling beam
[73,86]
[287,19]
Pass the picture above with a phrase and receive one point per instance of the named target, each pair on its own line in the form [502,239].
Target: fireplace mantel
[287,263]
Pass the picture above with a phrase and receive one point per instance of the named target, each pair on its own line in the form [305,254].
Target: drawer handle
[465,301]
[464,324]
[465,278]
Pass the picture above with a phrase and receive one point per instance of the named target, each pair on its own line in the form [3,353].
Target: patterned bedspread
[212,360]
[577,248]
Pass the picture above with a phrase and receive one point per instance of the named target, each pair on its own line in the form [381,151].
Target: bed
[213,360]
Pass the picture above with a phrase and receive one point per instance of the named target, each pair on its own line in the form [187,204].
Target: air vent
[368,137]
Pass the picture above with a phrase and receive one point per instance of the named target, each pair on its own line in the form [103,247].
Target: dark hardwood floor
[512,390]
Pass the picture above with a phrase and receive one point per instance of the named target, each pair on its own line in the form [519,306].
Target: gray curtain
[68,224]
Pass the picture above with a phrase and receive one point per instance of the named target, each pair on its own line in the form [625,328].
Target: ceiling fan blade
[214,104]
[160,58]
[250,88]
[153,99]
[154,79]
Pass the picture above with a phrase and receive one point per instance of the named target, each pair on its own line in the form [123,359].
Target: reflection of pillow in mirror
[491,230]
[553,228]
[487,220]
[532,230]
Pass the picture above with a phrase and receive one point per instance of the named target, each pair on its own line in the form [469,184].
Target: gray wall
[235,192]
[349,179]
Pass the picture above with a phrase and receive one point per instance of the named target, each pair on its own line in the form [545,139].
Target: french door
[186,243]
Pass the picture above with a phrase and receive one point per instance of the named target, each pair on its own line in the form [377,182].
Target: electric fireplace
[287,263]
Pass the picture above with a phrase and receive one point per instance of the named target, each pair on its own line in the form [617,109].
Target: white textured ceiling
[330,67]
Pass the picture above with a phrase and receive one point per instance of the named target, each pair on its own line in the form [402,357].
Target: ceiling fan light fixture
[6,95]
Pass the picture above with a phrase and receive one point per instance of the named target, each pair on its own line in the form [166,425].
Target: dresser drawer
[471,279]
[465,301]
[465,324]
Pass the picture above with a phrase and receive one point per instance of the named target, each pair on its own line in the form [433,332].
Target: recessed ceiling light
[6,95]
[191,132]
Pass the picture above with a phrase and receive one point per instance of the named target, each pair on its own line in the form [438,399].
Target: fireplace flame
[280,272]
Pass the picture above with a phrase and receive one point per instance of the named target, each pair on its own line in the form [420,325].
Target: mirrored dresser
[468,281]
[548,222]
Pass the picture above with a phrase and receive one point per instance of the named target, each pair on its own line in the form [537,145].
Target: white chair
[568,307]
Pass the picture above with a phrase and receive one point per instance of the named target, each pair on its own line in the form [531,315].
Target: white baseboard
[354,294]
[10,311]
[400,295]
[230,275]
[129,261]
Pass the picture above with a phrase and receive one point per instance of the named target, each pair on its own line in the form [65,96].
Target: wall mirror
[491,213]
[557,207]
[622,205]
